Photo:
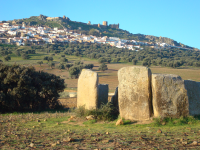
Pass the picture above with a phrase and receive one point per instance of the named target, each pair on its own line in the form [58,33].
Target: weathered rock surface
[169,96]
[90,117]
[87,94]
[119,122]
[134,93]
[102,94]
[193,91]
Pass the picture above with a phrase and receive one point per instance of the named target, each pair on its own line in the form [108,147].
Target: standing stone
[134,93]
[87,89]
[193,91]
[114,99]
[102,94]
[169,96]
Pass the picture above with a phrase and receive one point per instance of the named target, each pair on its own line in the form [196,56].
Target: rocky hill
[80,27]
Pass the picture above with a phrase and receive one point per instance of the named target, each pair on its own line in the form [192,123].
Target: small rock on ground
[119,122]
[90,117]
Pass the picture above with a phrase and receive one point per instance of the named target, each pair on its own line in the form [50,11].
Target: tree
[63,59]
[7,58]
[94,32]
[50,58]
[61,66]
[17,53]
[102,60]
[24,88]
[78,63]
[88,66]
[25,56]
[40,62]
[45,58]
[103,67]
[134,61]
[116,60]
[52,64]
[108,59]
[68,66]
[74,71]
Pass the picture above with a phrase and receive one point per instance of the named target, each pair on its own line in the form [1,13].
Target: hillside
[80,27]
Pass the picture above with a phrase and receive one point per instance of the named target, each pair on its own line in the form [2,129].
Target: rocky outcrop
[134,93]
[193,92]
[102,94]
[87,94]
[169,96]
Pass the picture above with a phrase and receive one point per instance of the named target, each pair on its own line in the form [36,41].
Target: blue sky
[175,19]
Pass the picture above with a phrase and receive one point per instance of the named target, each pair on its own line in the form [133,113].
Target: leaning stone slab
[102,94]
[169,96]
[134,93]
[193,91]
[87,94]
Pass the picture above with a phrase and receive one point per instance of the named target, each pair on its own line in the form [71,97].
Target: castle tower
[105,23]
[89,23]
[64,17]
[99,25]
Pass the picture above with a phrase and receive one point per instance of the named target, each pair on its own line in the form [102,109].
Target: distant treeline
[168,57]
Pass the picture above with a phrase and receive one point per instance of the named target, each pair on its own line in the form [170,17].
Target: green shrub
[23,88]
[174,121]
[106,112]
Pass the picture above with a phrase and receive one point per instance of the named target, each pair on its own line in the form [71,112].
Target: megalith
[102,94]
[87,94]
[114,99]
[193,91]
[169,96]
[134,93]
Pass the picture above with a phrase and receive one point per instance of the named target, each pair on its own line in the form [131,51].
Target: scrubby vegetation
[23,88]
[147,56]
[106,112]
[54,130]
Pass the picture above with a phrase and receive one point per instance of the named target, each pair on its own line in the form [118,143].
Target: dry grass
[52,131]
[110,76]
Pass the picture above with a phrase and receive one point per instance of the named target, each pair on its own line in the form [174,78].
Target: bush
[7,58]
[24,88]
[78,63]
[102,60]
[40,62]
[68,66]
[174,121]
[25,56]
[134,61]
[61,66]
[106,112]
[88,66]
[74,71]
[52,64]
[103,67]
[63,59]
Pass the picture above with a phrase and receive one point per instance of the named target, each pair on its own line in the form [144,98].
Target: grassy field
[55,131]
[107,77]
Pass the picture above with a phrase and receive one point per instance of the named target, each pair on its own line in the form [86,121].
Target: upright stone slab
[102,94]
[114,99]
[87,89]
[193,91]
[134,93]
[169,96]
